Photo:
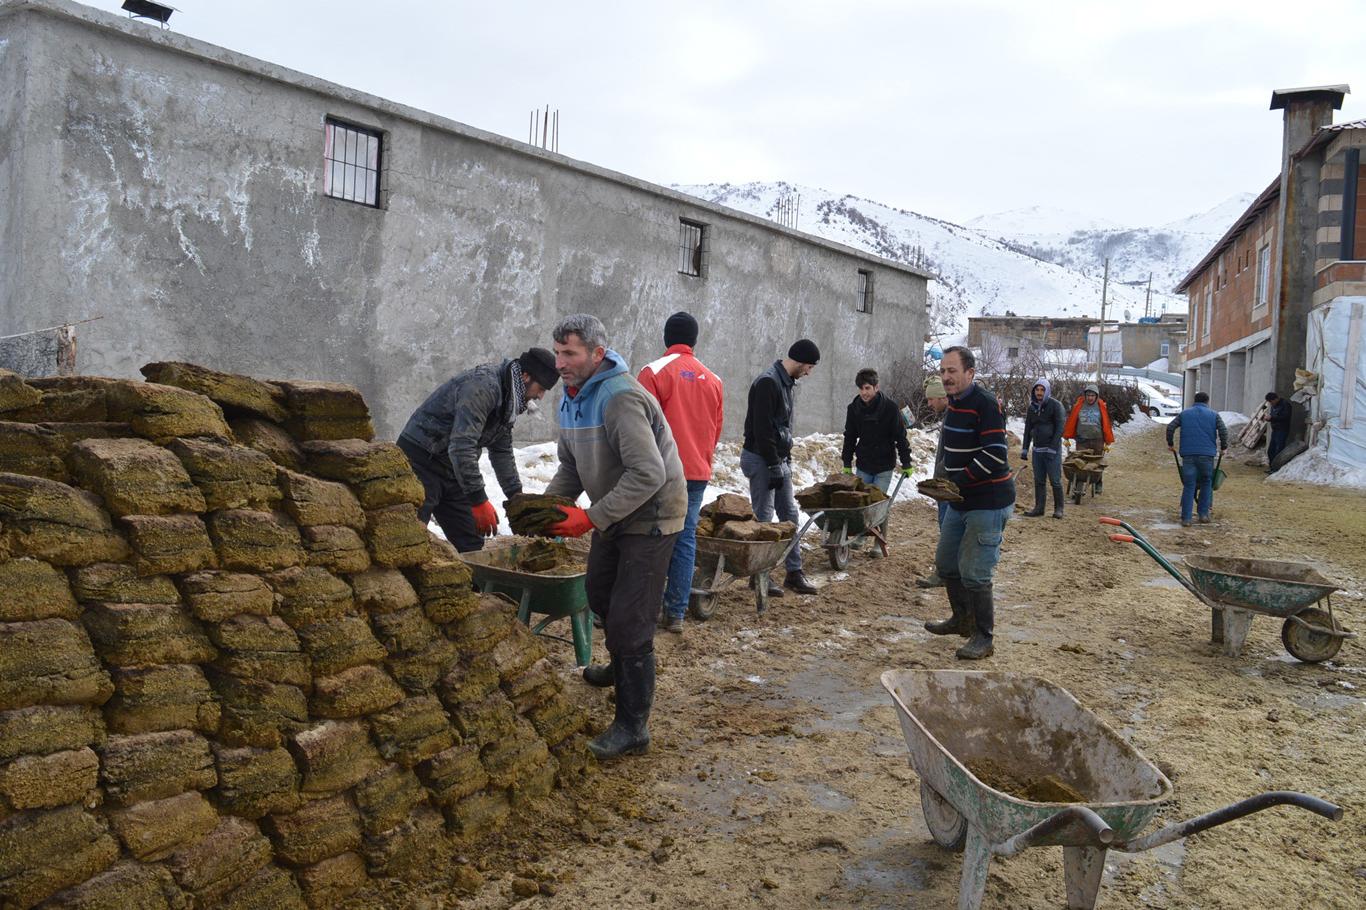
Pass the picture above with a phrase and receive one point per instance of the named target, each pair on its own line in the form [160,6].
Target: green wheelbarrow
[556,596]
[1236,589]
[962,726]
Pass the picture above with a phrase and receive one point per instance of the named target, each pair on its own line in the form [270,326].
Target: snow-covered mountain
[1032,268]
[1169,250]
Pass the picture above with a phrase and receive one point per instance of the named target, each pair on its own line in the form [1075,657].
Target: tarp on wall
[1337,353]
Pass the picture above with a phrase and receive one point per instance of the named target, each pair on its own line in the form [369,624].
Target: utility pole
[1100,347]
[1148,301]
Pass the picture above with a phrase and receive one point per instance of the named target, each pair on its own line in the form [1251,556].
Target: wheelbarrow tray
[854,521]
[1269,586]
[951,718]
[743,557]
[557,594]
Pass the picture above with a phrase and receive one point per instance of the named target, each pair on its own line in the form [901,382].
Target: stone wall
[235,671]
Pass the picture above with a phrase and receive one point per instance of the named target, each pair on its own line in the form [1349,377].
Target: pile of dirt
[1048,788]
[532,514]
[235,669]
[729,517]
[549,558]
[839,491]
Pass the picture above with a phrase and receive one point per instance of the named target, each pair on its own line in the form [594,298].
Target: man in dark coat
[874,438]
[1278,417]
[470,412]
[1043,430]
[766,459]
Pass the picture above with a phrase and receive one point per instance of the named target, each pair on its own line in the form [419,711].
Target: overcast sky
[1137,113]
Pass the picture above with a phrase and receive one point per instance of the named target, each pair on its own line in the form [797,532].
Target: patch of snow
[1137,423]
[1234,419]
[1158,364]
[1315,467]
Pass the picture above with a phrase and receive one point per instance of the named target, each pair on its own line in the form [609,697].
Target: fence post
[66,350]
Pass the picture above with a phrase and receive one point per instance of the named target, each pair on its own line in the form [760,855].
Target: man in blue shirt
[1203,435]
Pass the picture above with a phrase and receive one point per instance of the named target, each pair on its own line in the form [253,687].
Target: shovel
[1218,479]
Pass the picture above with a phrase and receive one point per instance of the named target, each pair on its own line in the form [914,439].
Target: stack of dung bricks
[235,670]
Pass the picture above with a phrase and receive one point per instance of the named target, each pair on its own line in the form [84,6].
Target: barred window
[692,248]
[864,301]
[351,162]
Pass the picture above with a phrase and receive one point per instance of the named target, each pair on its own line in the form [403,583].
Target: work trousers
[444,500]
[1047,470]
[970,544]
[1197,485]
[625,583]
[1279,437]
[883,481]
[684,556]
[765,501]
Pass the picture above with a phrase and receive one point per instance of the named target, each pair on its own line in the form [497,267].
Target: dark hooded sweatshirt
[874,435]
[1044,421]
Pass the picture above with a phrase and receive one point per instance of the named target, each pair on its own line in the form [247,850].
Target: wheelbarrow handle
[1172,570]
[1124,538]
[1232,813]
[1105,520]
[1100,833]
[797,538]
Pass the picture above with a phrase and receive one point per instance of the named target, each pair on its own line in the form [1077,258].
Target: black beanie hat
[540,365]
[680,328]
[804,351]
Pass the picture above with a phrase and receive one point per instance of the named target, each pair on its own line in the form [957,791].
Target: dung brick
[159,698]
[453,774]
[312,502]
[135,635]
[124,885]
[339,644]
[410,847]
[56,523]
[168,544]
[43,729]
[262,648]
[233,393]
[272,888]
[256,712]
[15,393]
[161,412]
[327,883]
[413,730]
[27,448]
[135,477]
[270,440]
[215,596]
[45,851]
[333,756]
[223,860]
[353,693]
[478,814]
[420,671]
[155,766]
[155,829]
[383,591]
[229,476]
[49,661]
[318,829]
[335,548]
[396,538]
[253,541]
[254,782]
[310,595]
[111,582]
[34,590]
[387,797]
[48,781]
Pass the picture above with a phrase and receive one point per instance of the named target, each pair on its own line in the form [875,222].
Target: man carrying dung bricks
[471,411]
[976,458]
[693,401]
[616,446]
[766,459]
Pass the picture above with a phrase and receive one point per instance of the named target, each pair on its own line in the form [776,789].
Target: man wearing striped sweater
[976,458]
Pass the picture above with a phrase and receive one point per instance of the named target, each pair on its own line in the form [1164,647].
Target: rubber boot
[1057,501]
[1037,511]
[798,582]
[960,623]
[601,675]
[930,581]
[629,733]
[983,616]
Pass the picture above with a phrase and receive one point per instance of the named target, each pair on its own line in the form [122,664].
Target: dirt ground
[778,776]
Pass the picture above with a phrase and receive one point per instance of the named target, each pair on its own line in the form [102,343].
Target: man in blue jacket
[1203,435]
[1043,430]
[977,459]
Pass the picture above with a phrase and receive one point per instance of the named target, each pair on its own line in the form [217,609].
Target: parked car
[1157,403]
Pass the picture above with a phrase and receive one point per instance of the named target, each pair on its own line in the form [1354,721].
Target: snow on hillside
[1169,250]
[976,274]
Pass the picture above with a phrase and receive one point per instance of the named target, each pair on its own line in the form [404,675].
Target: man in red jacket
[693,401]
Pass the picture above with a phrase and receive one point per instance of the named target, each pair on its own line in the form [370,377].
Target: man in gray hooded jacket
[1044,420]
[470,412]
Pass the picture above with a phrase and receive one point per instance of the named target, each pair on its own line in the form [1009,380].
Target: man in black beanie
[767,456]
[693,401]
[470,412]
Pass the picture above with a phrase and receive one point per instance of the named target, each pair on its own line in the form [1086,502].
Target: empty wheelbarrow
[1098,792]
[721,561]
[842,526]
[1235,589]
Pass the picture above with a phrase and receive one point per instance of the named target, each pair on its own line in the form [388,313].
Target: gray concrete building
[216,208]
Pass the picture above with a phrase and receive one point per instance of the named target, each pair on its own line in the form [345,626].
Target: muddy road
[779,778]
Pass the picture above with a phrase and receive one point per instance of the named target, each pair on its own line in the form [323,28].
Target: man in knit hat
[766,459]
[693,401]
[471,412]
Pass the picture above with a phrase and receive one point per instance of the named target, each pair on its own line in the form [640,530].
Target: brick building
[1300,244]
[1008,338]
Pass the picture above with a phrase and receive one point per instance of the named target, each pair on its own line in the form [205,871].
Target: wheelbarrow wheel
[947,825]
[1306,644]
[701,605]
[839,556]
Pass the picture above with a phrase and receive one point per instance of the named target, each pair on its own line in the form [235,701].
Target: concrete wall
[175,189]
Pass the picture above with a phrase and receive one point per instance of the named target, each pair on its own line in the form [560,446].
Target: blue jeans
[943,509]
[685,555]
[766,501]
[1197,477]
[882,481]
[970,544]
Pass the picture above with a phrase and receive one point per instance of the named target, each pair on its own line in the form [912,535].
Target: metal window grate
[351,162]
[864,300]
[692,253]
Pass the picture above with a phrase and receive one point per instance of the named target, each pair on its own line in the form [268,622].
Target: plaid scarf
[517,403]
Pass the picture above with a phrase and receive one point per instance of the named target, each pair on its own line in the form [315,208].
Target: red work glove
[485,519]
[575,525]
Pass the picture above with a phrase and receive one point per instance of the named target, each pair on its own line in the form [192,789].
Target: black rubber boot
[629,733]
[984,617]
[1039,496]
[960,623]
[1057,501]
[601,675]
